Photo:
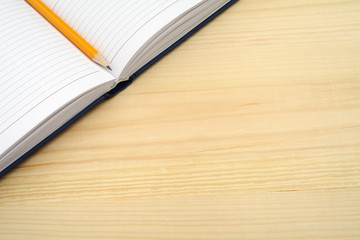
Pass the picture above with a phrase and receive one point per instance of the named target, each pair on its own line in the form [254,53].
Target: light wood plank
[320,214]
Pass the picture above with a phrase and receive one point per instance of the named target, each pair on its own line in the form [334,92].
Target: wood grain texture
[248,130]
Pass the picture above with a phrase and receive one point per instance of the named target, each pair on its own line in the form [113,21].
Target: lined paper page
[118,28]
[40,71]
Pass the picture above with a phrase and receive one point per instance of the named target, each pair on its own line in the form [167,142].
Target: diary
[46,83]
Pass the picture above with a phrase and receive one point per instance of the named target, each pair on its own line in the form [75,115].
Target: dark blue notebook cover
[121,86]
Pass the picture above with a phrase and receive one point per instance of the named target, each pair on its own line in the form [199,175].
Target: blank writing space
[35,61]
[109,25]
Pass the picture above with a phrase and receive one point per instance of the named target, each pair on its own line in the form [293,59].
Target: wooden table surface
[248,130]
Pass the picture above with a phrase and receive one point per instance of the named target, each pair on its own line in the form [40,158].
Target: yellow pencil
[65,29]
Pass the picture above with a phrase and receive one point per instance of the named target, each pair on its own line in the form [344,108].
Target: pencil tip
[108,67]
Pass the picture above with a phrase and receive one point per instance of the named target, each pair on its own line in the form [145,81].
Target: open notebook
[46,82]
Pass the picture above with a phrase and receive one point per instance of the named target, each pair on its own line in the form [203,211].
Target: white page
[118,28]
[40,71]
